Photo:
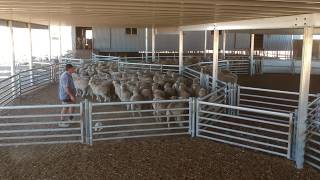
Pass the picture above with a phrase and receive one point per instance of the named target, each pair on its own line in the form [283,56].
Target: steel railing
[312,149]
[38,124]
[120,120]
[237,66]
[25,82]
[213,122]
[271,100]
[149,67]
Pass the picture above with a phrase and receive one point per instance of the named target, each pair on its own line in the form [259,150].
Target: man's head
[69,68]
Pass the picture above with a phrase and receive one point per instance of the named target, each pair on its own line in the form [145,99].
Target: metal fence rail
[237,66]
[25,82]
[9,89]
[38,124]
[312,154]
[149,67]
[214,123]
[119,120]
[270,100]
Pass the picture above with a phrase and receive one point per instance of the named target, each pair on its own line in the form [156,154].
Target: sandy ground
[151,158]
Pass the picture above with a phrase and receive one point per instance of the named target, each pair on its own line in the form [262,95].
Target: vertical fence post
[191,117]
[303,96]
[88,121]
[294,134]
[82,120]
[196,119]
[318,113]
[19,83]
[202,83]
[290,136]
[90,124]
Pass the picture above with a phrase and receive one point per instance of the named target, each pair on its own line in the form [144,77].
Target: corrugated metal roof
[149,12]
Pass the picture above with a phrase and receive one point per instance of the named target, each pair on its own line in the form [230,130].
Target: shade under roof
[159,13]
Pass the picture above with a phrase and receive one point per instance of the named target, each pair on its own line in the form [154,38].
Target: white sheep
[103,89]
[136,97]
[175,109]
[81,84]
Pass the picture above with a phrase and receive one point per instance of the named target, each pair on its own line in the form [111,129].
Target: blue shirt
[66,81]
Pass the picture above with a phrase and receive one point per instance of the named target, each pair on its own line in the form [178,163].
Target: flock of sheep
[103,80]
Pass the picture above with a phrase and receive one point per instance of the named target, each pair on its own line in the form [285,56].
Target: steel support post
[146,48]
[181,52]
[13,58]
[30,60]
[60,45]
[303,97]
[252,55]
[224,44]
[215,58]
[205,44]
[49,55]
[153,44]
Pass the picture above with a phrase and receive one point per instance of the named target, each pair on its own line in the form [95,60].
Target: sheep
[117,88]
[147,93]
[202,93]
[183,91]
[195,88]
[125,95]
[175,109]
[227,76]
[136,97]
[103,89]
[159,107]
[81,84]
[170,92]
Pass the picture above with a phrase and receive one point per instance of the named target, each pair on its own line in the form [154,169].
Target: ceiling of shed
[160,13]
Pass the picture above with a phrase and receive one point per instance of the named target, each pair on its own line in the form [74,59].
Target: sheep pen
[150,158]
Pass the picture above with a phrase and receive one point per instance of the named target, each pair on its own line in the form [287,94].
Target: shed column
[180,52]
[60,45]
[49,56]
[30,46]
[303,97]
[13,58]
[252,55]
[224,44]
[30,60]
[205,43]
[215,59]
[153,44]
[146,48]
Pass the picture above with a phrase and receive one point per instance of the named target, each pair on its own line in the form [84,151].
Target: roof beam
[297,21]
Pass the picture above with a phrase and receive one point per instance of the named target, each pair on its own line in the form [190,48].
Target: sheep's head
[202,92]
[155,86]
[167,86]
[173,97]
[182,86]
[135,91]
[195,86]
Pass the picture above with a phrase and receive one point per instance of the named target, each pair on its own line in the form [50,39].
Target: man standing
[67,93]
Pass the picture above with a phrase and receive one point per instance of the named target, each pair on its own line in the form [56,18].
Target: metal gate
[312,149]
[38,124]
[214,121]
[120,120]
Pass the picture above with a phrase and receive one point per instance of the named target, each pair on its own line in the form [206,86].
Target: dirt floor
[151,158]
[288,82]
